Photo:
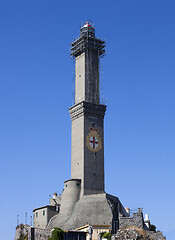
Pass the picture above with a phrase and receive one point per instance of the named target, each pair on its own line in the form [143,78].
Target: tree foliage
[102,233]
[57,234]
[107,235]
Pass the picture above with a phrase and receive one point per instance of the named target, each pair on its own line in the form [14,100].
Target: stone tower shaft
[87,49]
[87,150]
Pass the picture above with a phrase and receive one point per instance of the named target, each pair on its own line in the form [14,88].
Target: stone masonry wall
[137,234]
[32,233]
[136,221]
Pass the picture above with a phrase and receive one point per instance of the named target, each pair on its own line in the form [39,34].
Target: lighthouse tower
[83,200]
[87,150]
[83,203]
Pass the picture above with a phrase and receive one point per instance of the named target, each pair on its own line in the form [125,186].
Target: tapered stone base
[95,209]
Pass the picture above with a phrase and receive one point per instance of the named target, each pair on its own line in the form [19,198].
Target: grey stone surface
[80,78]
[42,215]
[70,196]
[32,233]
[22,230]
[136,220]
[94,209]
[86,164]
[87,50]
[136,234]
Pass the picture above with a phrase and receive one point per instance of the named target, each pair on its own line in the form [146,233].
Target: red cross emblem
[93,142]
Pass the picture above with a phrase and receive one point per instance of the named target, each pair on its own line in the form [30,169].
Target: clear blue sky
[36,76]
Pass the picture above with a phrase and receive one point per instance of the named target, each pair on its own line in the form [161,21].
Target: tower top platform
[87,30]
[87,41]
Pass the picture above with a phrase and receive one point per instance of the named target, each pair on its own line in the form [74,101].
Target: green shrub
[57,234]
[101,234]
[107,235]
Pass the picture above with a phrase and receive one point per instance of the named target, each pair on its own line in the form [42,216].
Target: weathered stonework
[86,165]
[94,209]
[136,220]
[86,108]
[133,233]
[31,233]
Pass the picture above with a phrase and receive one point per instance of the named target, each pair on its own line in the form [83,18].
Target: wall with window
[41,216]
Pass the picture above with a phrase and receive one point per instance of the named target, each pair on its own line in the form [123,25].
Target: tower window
[36,214]
[43,212]
[57,209]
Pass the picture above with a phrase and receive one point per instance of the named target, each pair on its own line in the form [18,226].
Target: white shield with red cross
[93,141]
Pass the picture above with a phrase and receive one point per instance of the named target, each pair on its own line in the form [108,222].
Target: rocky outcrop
[24,232]
[138,234]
